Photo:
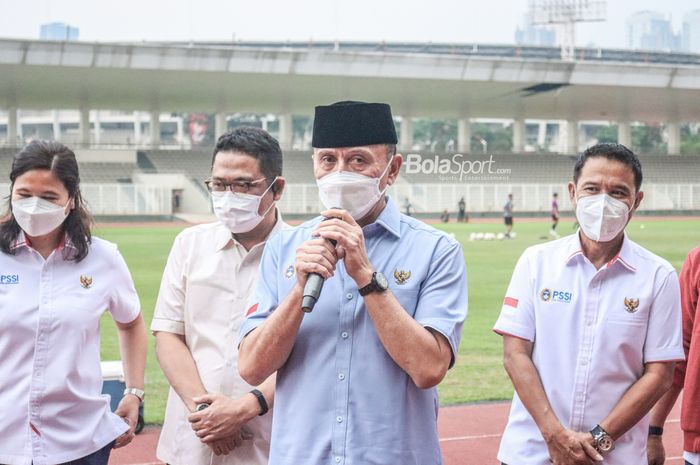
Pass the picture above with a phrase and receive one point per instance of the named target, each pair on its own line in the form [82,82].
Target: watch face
[605,444]
[381,281]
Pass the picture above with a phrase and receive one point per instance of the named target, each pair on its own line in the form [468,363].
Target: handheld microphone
[313,286]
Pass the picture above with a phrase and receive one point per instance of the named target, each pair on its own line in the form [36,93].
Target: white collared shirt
[206,284]
[593,332]
[50,393]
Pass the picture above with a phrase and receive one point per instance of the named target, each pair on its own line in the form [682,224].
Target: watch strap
[140,393]
[378,283]
[264,408]
[372,286]
[656,431]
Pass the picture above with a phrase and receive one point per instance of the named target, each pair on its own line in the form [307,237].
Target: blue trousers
[99,457]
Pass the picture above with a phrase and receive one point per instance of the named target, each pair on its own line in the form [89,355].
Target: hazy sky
[484,21]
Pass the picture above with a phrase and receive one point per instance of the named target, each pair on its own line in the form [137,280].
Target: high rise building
[59,31]
[691,31]
[650,30]
[535,35]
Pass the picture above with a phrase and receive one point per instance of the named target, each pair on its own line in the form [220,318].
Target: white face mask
[37,216]
[601,217]
[239,212]
[353,192]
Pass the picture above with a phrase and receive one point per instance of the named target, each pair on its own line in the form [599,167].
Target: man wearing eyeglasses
[212,415]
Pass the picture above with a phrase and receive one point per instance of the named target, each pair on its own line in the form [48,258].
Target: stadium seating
[670,182]
[90,172]
[103,173]
[6,155]
[558,168]
[196,163]
[298,167]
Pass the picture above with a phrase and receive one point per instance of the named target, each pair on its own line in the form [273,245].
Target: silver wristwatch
[603,443]
[140,393]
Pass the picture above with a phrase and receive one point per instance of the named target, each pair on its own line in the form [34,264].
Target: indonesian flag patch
[254,308]
[510,302]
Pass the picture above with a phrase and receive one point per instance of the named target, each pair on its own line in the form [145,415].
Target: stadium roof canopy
[438,80]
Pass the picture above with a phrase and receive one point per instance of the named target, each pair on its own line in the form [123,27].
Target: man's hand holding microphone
[335,238]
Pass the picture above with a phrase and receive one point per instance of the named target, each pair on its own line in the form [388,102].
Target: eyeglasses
[239,187]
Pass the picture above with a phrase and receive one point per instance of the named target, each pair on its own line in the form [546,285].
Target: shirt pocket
[408,299]
[628,311]
[622,340]
[626,330]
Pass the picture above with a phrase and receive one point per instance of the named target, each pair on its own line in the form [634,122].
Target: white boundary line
[461,438]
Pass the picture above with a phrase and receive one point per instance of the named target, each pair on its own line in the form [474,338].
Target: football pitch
[478,374]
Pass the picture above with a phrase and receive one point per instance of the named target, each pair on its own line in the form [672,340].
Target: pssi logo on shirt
[548,295]
[9,279]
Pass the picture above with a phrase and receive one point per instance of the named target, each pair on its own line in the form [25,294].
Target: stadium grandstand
[670,184]
[139,158]
[472,50]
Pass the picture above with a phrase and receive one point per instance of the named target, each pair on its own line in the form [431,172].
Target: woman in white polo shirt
[56,281]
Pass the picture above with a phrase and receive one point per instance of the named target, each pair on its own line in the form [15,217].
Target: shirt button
[341,376]
[584,363]
[337,460]
[348,296]
[339,419]
[344,335]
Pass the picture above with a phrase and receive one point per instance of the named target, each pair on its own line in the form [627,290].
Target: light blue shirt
[340,397]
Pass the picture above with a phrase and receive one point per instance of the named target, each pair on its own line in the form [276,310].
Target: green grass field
[478,374]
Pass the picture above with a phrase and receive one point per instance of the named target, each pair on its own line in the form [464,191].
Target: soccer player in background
[555,215]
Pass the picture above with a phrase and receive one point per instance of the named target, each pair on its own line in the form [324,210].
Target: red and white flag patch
[510,302]
[251,310]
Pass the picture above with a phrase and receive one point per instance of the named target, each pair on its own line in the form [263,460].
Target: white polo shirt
[593,331]
[50,394]
[206,284]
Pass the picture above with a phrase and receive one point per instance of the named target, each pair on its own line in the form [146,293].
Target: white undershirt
[691,457]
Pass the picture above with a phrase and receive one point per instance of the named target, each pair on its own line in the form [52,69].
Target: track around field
[469,435]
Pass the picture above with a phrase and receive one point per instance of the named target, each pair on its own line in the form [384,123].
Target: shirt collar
[624,257]
[224,237]
[23,241]
[389,219]
[20,241]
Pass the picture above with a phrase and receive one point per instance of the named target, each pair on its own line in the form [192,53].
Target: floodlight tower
[565,14]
